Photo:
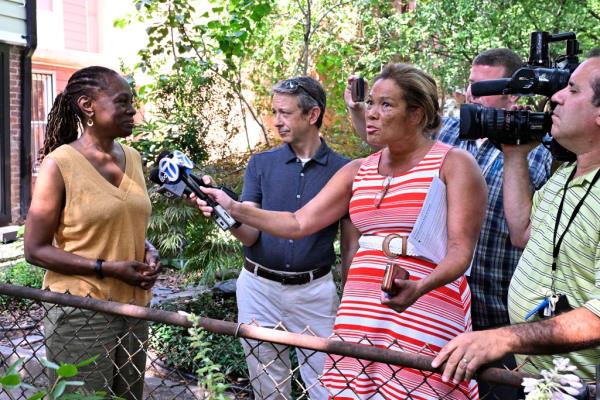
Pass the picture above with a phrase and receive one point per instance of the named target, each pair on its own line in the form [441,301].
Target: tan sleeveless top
[100,220]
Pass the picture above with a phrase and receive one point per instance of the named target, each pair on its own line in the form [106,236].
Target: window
[4,135]
[42,95]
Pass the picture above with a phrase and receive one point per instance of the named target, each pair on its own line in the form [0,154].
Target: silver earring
[90,122]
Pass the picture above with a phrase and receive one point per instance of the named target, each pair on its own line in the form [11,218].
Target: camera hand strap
[556,245]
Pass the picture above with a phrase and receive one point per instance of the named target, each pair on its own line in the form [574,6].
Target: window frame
[5,205]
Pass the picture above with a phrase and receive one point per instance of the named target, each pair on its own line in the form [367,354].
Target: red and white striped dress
[426,326]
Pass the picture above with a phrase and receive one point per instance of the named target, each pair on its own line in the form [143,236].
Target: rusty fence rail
[169,383]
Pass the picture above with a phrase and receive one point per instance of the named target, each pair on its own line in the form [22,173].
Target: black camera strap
[556,245]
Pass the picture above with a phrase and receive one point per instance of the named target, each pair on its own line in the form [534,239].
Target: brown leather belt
[283,278]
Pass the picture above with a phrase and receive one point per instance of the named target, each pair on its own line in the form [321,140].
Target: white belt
[392,245]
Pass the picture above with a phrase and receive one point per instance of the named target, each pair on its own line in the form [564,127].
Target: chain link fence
[126,366]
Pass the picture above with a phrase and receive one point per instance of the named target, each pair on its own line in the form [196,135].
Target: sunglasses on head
[293,85]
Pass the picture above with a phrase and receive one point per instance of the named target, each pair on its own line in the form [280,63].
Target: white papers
[429,237]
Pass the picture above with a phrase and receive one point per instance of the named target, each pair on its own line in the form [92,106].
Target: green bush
[173,344]
[211,254]
[23,274]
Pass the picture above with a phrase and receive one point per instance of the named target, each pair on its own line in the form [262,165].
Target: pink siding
[81,25]
[45,5]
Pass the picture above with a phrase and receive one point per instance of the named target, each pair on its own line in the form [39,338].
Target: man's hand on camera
[518,150]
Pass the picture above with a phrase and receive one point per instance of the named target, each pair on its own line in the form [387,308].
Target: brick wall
[15,131]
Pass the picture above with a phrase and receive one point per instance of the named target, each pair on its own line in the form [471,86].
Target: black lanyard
[556,246]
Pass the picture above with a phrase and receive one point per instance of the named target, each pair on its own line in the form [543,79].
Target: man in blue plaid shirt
[495,257]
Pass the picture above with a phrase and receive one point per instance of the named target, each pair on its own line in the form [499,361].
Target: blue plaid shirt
[495,257]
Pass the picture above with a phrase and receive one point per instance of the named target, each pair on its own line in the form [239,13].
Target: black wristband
[98,268]
[237,224]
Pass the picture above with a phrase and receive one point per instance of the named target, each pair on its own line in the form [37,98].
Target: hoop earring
[90,122]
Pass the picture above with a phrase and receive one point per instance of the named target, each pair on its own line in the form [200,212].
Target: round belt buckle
[385,246]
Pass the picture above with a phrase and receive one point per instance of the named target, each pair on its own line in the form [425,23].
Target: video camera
[175,177]
[542,76]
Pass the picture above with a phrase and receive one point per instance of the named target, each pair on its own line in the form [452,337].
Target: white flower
[530,384]
[556,384]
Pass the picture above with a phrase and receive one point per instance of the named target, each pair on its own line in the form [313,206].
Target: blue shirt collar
[321,156]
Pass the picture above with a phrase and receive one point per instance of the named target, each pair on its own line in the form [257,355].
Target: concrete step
[8,233]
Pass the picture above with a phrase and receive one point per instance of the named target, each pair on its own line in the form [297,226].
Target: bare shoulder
[459,155]
[354,165]
[345,175]
[49,173]
[49,182]
[459,162]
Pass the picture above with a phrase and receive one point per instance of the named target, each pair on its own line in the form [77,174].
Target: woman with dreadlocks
[87,227]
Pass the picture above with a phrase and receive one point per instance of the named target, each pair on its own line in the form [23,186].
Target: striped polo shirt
[578,263]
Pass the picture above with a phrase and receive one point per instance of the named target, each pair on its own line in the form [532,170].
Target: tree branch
[340,4]
[301,8]
[237,89]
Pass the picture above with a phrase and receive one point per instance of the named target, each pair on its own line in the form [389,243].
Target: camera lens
[502,126]
[470,122]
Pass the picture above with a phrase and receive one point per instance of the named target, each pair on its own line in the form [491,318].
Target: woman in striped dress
[365,315]
[384,194]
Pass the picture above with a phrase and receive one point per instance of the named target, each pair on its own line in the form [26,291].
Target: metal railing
[24,334]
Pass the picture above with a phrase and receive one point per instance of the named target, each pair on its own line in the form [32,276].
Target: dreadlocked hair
[65,119]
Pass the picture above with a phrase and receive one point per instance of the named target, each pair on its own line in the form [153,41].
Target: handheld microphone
[174,174]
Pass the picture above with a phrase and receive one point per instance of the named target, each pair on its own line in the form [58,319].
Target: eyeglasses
[293,85]
[379,196]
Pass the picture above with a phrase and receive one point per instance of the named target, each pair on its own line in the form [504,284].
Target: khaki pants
[74,335]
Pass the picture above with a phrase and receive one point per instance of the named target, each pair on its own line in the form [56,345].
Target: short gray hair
[309,91]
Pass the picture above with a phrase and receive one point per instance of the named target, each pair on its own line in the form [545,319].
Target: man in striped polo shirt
[560,266]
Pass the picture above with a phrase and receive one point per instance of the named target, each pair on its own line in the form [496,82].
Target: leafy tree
[443,36]
[212,64]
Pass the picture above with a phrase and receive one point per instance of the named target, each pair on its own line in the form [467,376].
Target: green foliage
[180,231]
[211,251]
[212,65]
[209,373]
[444,36]
[11,380]
[217,50]
[23,274]
[166,230]
[195,58]
[174,344]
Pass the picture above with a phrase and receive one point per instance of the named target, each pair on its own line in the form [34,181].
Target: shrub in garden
[21,274]
[174,345]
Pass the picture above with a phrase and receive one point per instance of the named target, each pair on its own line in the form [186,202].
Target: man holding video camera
[288,284]
[554,297]
[495,257]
